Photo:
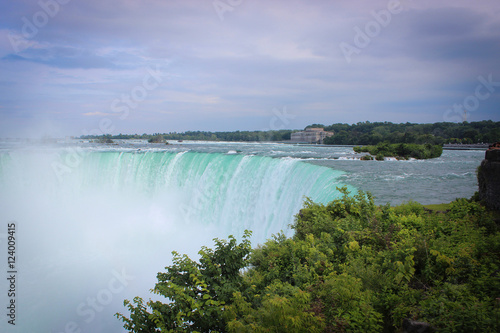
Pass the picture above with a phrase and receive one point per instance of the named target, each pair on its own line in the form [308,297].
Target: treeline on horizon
[361,133]
[246,136]
[368,133]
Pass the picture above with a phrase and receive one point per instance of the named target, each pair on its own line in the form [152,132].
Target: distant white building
[311,135]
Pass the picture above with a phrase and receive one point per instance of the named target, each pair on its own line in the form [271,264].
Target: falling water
[94,228]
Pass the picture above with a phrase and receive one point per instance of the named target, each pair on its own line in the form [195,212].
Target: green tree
[196,292]
[350,267]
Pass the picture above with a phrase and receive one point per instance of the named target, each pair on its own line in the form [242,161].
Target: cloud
[63,57]
[262,55]
[448,33]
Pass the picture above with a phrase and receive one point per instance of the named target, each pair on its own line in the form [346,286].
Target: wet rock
[488,177]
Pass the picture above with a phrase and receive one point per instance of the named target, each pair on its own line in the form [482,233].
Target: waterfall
[96,228]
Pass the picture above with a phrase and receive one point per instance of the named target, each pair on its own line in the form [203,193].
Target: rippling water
[453,175]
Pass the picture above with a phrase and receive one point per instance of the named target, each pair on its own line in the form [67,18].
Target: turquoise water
[230,191]
[87,213]
[434,181]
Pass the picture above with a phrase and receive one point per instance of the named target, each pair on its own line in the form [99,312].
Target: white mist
[98,232]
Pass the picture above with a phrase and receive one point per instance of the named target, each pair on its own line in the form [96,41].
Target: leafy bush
[350,267]
[282,308]
[197,292]
[346,305]
[453,308]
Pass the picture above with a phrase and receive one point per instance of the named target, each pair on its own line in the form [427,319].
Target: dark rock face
[411,326]
[488,177]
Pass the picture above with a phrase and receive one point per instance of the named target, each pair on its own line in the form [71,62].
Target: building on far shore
[311,135]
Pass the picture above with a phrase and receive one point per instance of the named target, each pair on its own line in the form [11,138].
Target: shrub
[347,306]
[350,267]
[282,308]
[453,308]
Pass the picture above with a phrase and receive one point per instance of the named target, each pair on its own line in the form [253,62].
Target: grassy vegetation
[349,267]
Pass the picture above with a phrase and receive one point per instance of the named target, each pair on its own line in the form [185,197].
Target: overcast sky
[71,67]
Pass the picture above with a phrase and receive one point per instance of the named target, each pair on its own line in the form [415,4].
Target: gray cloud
[230,73]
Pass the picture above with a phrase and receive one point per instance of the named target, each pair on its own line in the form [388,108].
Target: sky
[74,67]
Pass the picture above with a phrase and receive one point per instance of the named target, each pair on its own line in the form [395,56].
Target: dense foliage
[350,267]
[367,133]
[401,150]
